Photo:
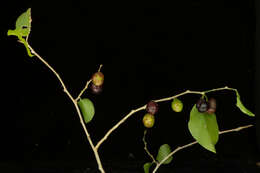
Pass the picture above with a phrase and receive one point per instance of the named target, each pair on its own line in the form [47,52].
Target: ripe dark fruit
[212,106]
[202,105]
[152,107]
[148,120]
[98,78]
[177,105]
[96,89]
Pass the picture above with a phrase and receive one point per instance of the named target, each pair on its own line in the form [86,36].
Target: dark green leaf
[204,128]
[87,108]
[163,152]
[240,105]
[147,167]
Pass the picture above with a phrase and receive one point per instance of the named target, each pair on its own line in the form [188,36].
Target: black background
[149,51]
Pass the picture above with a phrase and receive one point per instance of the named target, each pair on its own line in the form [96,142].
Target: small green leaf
[23,25]
[240,105]
[87,108]
[147,167]
[22,29]
[204,128]
[163,152]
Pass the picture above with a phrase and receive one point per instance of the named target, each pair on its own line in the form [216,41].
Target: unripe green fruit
[148,120]
[177,105]
[98,78]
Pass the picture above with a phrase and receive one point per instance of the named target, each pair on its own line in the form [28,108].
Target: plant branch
[100,167]
[219,89]
[195,142]
[158,100]
[84,89]
[117,125]
[146,149]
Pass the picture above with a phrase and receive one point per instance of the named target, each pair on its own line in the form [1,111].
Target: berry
[212,106]
[96,89]
[177,105]
[152,107]
[148,120]
[98,78]
[202,105]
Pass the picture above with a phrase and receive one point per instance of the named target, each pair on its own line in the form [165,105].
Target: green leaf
[240,105]
[87,108]
[23,28]
[147,167]
[163,152]
[23,25]
[204,128]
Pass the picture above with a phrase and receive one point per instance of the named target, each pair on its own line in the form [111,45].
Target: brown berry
[98,78]
[212,106]
[152,107]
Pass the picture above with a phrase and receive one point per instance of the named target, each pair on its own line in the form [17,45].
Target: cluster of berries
[97,82]
[206,106]
[202,105]
[152,109]
[148,119]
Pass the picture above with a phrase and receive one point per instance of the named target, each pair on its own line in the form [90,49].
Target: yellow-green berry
[148,120]
[177,105]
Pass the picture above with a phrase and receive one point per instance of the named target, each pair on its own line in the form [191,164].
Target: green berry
[148,120]
[98,78]
[177,105]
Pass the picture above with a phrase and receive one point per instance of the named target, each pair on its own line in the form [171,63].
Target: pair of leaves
[163,152]
[87,108]
[23,29]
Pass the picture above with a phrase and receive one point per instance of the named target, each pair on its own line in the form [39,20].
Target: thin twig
[195,142]
[83,90]
[146,149]
[100,167]
[99,69]
[117,125]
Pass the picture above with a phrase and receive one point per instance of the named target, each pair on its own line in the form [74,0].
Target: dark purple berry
[152,107]
[202,105]
[212,106]
[96,89]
